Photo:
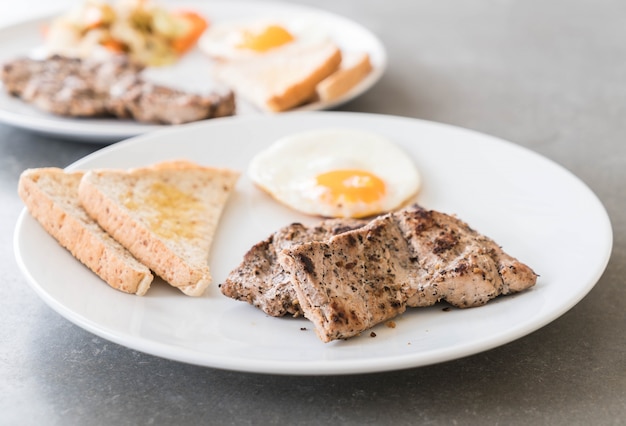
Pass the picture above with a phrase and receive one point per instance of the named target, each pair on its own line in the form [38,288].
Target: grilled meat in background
[96,88]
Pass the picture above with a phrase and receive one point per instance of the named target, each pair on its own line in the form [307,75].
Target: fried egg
[336,172]
[249,38]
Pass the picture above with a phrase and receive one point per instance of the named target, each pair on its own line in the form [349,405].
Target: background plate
[538,211]
[192,71]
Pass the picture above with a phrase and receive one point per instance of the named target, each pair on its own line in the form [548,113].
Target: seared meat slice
[17,74]
[152,103]
[413,257]
[86,88]
[354,281]
[261,280]
[456,263]
[58,85]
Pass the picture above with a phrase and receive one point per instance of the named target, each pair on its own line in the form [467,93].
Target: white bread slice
[280,80]
[166,215]
[51,197]
[355,66]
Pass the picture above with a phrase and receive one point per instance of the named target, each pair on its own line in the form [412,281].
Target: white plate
[535,209]
[192,71]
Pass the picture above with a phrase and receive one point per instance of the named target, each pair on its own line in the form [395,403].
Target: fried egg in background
[336,172]
[239,39]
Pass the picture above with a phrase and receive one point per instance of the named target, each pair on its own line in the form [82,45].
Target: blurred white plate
[191,72]
[538,211]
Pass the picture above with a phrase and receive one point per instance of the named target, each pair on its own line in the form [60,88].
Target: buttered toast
[51,197]
[166,215]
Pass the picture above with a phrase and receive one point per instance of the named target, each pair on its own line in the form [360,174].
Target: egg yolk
[270,37]
[351,186]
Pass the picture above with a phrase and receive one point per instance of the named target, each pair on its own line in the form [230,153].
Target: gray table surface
[548,75]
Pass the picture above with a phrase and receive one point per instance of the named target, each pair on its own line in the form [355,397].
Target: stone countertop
[550,76]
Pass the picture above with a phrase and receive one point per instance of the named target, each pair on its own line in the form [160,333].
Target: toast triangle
[355,66]
[166,215]
[51,196]
[281,80]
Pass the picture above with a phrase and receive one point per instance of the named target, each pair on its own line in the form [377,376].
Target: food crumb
[303,328]
[391,324]
[372,334]
[446,309]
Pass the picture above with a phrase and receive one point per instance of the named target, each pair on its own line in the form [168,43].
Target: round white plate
[192,72]
[539,212]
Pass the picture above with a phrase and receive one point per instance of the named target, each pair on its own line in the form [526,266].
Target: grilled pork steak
[413,257]
[351,281]
[91,88]
[261,280]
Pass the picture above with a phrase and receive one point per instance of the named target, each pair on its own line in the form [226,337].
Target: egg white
[287,169]
[220,41]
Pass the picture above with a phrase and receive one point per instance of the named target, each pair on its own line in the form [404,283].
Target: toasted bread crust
[167,258]
[352,71]
[63,218]
[304,90]
[282,80]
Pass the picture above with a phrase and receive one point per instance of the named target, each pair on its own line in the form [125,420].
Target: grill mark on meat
[89,88]
[444,242]
[308,264]
[351,241]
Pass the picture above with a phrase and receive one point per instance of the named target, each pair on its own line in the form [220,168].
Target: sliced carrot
[197,25]
[114,46]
